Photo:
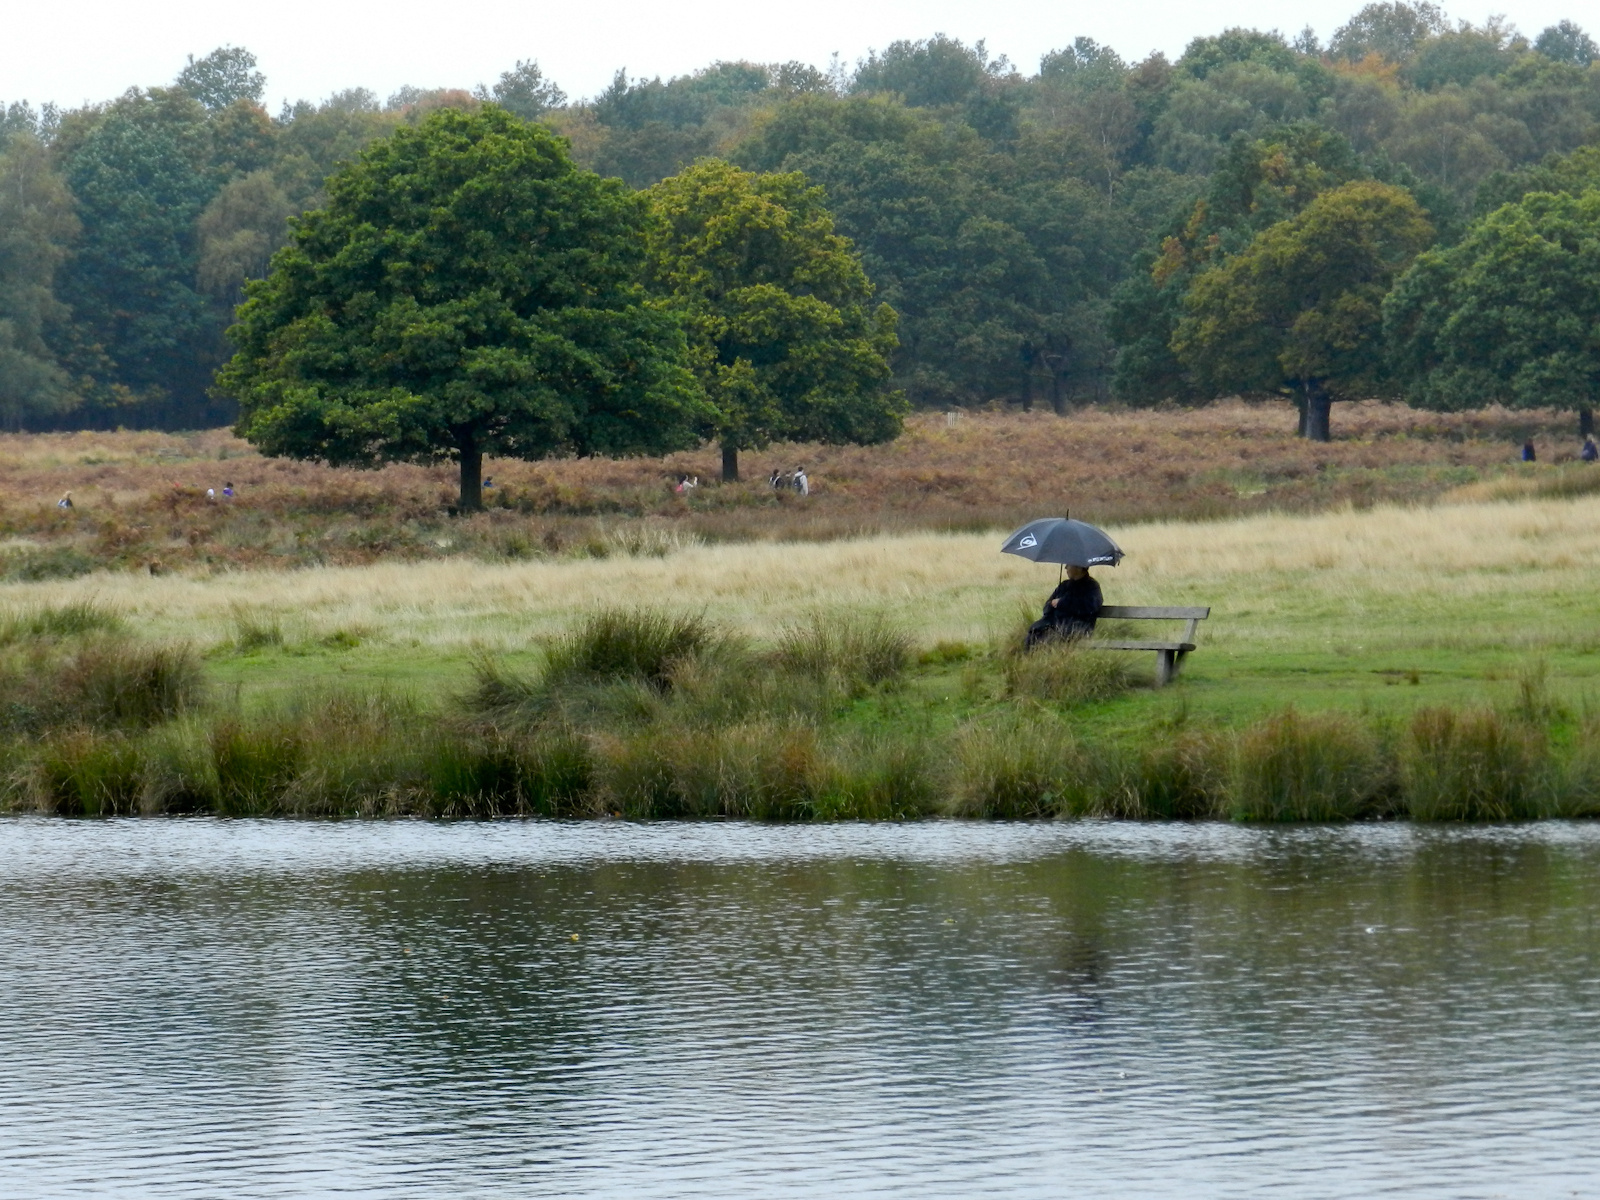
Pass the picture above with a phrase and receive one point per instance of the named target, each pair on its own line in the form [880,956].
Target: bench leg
[1166,667]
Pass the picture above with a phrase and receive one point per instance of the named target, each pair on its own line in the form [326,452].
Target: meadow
[1430,660]
[140,502]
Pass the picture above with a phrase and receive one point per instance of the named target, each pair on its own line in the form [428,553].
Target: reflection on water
[201,1008]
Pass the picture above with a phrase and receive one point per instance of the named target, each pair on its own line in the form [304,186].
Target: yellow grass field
[1461,592]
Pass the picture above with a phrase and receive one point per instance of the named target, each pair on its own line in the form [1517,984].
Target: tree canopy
[1034,227]
[782,331]
[1300,308]
[466,290]
[1510,315]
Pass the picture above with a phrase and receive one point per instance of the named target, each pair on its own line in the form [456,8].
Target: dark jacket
[1079,605]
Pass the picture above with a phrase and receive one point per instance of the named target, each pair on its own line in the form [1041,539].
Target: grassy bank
[140,500]
[1436,663]
[640,714]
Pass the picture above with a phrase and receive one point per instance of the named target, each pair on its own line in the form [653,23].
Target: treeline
[1043,237]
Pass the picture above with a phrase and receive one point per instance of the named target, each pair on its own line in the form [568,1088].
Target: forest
[1153,231]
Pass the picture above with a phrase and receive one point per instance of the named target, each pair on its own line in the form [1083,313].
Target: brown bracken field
[140,503]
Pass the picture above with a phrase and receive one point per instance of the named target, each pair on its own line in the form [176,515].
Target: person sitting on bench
[1071,610]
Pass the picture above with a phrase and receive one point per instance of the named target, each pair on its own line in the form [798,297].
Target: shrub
[1294,768]
[1068,673]
[859,650]
[1471,766]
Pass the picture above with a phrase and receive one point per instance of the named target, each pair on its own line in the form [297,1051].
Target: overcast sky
[310,48]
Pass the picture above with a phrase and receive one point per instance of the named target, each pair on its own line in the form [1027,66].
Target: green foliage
[524,91]
[141,176]
[1301,306]
[466,291]
[1258,182]
[36,226]
[1391,29]
[225,76]
[1511,314]
[782,333]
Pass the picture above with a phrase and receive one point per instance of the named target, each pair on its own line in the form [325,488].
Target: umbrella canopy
[1060,540]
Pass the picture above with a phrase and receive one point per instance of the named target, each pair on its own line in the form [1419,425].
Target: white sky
[310,48]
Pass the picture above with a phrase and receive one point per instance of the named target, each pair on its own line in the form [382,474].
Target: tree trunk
[1319,406]
[730,463]
[1585,422]
[471,474]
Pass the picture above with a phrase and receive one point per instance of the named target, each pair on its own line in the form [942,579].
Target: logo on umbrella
[1030,540]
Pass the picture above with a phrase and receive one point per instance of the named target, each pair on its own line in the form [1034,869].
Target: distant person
[1590,451]
[1071,611]
[1527,451]
[775,480]
[801,484]
[488,482]
[65,501]
[227,490]
[211,493]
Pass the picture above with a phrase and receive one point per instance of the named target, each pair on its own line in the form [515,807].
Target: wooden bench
[1168,654]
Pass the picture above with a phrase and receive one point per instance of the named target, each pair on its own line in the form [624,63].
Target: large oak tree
[1511,314]
[784,337]
[466,291]
[1299,310]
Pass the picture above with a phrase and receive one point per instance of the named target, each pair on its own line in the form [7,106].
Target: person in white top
[801,483]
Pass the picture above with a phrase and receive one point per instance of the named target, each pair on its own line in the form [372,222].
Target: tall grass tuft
[1179,775]
[116,683]
[859,650]
[1576,791]
[1067,673]
[1291,767]
[73,619]
[1019,767]
[878,778]
[87,773]
[1474,765]
[484,773]
[623,643]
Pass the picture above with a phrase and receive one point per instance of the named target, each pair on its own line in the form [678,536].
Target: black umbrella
[1060,540]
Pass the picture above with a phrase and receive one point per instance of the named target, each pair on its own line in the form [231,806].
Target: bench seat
[1169,655]
[1183,647]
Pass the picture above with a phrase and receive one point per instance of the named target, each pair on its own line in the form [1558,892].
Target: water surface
[210,1008]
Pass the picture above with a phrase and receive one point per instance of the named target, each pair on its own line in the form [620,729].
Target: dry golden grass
[1420,576]
[140,497]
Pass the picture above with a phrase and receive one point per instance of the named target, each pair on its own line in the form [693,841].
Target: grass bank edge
[649,715]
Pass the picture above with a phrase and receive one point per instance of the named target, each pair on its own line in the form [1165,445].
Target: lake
[271,1008]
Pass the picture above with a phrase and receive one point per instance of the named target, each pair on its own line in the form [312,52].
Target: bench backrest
[1144,612]
[1135,612]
